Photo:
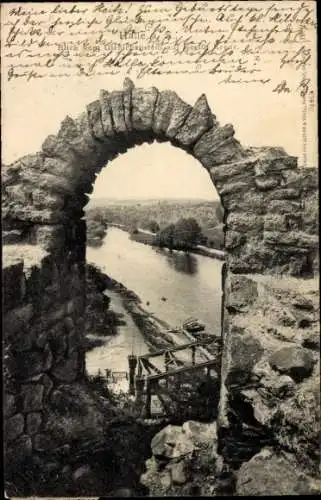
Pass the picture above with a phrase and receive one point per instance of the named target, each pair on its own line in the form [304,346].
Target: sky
[31,110]
[143,173]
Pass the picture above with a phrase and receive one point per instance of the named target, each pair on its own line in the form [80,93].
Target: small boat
[193,325]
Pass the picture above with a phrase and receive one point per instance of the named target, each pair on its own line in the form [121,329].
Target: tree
[187,233]
[153,226]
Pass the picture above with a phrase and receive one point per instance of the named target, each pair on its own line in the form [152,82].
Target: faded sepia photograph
[160,249]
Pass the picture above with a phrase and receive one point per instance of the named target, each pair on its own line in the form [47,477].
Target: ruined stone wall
[270,231]
[42,322]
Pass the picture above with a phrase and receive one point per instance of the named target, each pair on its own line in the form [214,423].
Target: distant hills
[101,202]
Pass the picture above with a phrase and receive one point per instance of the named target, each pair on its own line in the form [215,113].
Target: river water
[172,285]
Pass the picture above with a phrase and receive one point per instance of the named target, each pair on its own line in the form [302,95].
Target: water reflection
[182,262]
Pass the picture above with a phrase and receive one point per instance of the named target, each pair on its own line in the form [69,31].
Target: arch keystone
[199,120]
[143,106]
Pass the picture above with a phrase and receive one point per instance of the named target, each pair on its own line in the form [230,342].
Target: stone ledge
[28,255]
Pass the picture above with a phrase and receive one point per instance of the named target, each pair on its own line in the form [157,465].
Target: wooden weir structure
[147,380]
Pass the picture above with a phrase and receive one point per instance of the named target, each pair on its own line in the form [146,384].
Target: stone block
[42,198]
[178,473]
[19,450]
[116,106]
[233,187]
[297,362]
[291,238]
[32,397]
[13,281]
[199,120]
[234,239]
[50,236]
[12,236]
[44,443]
[265,183]
[143,105]
[95,121]
[275,222]
[245,351]
[269,473]
[54,147]
[16,319]
[283,207]
[270,166]
[10,406]
[33,422]
[33,362]
[67,370]
[106,117]
[127,100]
[245,223]
[242,169]
[241,293]
[170,113]
[14,427]
[284,193]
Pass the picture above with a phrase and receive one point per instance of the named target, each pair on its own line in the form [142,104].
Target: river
[172,285]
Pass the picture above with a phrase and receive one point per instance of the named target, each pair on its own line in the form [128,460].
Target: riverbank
[148,238]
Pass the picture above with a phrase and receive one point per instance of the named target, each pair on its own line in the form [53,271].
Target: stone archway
[261,189]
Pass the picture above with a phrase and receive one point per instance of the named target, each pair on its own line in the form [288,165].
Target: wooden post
[132,362]
[193,355]
[148,400]
[167,360]
[139,388]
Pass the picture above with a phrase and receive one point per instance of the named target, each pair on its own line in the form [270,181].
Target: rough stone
[170,113]
[20,450]
[15,320]
[178,473]
[33,423]
[9,405]
[234,239]
[95,121]
[32,397]
[243,292]
[275,222]
[171,442]
[143,104]
[233,187]
[14,427]
[246,350]
[34,362]
[44,443]
[199,120]
[106,117]
[200,432]
[300,239]
[270,474]
[302,302]
[283,207]
[266,183]
[245,223]
[297,362]
[67,369]
[116,105]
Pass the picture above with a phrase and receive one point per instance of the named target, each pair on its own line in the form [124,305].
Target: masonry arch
[51,187]
[262,191]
